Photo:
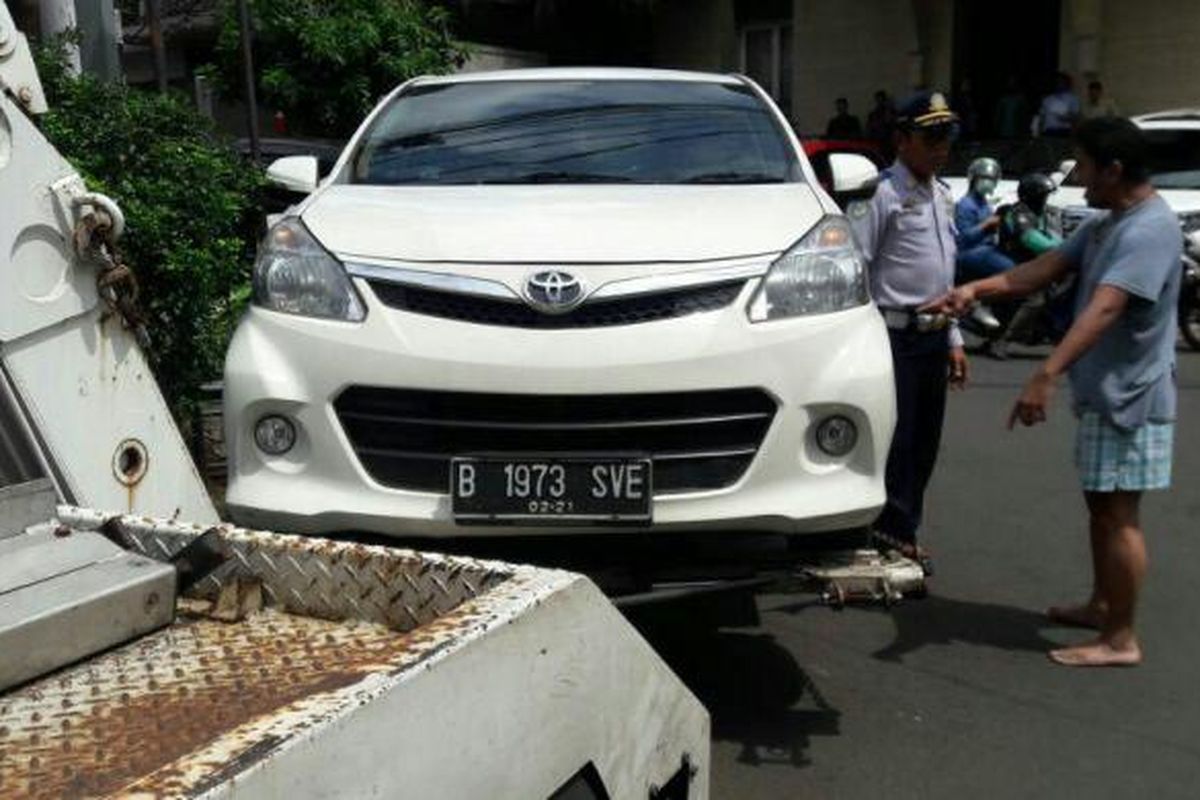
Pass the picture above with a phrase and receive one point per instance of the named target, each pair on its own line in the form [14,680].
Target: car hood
[560,224]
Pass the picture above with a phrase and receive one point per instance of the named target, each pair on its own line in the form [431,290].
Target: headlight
[822,273]
[295,275]
[1190,221]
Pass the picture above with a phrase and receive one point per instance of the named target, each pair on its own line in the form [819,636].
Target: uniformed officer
[906,231]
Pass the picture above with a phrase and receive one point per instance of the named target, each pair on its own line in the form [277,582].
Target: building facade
[809,52]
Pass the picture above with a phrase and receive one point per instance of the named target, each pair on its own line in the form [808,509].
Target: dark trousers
[922,371]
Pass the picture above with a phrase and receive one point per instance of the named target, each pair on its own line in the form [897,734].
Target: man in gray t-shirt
[1128,376]
[1120,353]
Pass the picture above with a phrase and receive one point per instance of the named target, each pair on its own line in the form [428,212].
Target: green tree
[326,63]
[191,209]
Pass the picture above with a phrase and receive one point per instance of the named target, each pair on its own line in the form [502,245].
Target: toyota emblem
[553,291]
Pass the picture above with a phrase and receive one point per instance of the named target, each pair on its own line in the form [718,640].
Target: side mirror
[851,172]
[295,173]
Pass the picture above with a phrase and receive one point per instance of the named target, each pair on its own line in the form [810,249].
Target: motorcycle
[1189,293]
[1042,318]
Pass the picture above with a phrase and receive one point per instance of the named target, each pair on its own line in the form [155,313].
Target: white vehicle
[1004,193]
[1175,165]
[561,300]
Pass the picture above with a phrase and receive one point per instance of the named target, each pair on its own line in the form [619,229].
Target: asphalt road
[952,696]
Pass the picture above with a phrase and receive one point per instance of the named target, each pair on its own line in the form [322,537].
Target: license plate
[500,489]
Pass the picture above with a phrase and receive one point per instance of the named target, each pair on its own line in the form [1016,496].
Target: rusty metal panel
[211,692]
[394,693]
[190,706]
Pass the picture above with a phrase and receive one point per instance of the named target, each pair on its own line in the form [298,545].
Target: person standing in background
[845,125]
[1060,109]
[1098,104]
[881,124]
[1011,119]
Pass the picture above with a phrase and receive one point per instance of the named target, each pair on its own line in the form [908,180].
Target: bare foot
[1098,654]
[1088,615]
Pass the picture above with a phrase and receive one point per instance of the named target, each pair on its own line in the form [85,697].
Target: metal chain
[116,283]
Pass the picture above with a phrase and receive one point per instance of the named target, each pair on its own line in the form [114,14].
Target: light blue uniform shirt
[1128,376]
[907,235]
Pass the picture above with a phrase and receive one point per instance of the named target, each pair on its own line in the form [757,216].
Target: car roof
[583,74]
[1179,118]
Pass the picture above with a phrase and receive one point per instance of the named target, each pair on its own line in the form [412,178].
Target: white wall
[1149,53]
[851,49]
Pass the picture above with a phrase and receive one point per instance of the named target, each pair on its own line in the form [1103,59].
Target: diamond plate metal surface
[184,711]
[401,589]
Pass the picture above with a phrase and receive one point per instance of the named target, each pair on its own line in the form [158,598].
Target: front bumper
[812,367]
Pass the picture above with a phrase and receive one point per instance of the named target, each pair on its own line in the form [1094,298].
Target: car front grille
[698,441]
[593,314]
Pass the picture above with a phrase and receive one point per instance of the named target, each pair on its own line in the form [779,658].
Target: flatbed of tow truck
[341,669]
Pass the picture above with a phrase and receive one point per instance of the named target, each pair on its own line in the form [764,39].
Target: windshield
[574,131]
[1174,159]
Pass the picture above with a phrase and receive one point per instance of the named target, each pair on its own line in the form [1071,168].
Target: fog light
[275,435]
[837,436]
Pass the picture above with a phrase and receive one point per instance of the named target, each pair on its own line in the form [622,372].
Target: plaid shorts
[1111,459]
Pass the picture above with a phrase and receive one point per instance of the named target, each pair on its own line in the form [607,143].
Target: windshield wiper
[559,176]
[734,177]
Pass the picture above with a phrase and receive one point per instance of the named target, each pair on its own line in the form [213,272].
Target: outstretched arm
[1020,281]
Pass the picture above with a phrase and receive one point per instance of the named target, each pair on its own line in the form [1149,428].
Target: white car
[1005,192]
[556,301]
[1174,138]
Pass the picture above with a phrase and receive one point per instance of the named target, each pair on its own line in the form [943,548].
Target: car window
[575,131]
[1174,160]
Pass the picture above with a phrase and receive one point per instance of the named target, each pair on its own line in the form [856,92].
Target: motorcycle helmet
[1033,190]
[983,175]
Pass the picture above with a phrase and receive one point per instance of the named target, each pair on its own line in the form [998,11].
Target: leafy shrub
[327,62]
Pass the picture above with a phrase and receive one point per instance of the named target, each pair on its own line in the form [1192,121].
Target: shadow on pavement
[753,688]
[935,620]
[942,620]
